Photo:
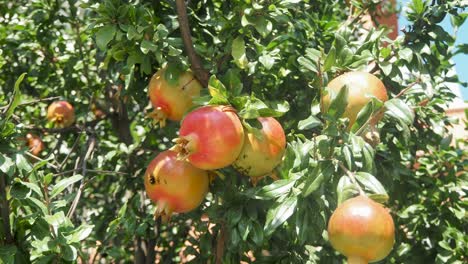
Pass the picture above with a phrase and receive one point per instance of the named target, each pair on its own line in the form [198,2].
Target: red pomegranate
[61,113]
[362,87]
[174,185]
[362,230]
[172,100]
[260,155]
[211,137]
[35,144]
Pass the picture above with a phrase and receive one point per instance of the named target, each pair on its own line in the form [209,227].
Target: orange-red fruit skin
[175,183]
[215,136]
[61,113]
[362,229]
[259,156]
[173,99]
[361,86]
[35,144]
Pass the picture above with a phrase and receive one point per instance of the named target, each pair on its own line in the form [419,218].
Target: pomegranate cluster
[210,137]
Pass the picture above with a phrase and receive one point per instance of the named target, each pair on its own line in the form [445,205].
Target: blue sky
[461,60]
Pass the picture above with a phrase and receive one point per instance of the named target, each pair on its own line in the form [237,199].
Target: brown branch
[91,144]
[220,243]
[196,66]
[5,210]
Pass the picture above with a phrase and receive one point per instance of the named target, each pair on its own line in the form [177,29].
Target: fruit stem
[356,260]
[353,179]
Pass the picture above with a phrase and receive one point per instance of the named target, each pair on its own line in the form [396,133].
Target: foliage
[84,198]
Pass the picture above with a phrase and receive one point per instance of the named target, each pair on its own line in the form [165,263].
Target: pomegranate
[35,144]
[362,87]
[174,185]
[172,101]
[211,137]
[259,156]
[61,113]
[362,230]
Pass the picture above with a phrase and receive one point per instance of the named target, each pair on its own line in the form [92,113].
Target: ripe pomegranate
[362,87]
[172,101]
[174,185]
[260,156]
[362,230]
[35,144]
[211,137]
[61,113]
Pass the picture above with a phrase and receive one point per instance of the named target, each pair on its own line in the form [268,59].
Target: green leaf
[232,81]
[254,108]
[363,116]
[279,213]
[58,220]
[370,183]
[104,35]
[147,46]
[345,189]
[69,252]
[20,191]
[330,60]
[267,61]
[64,183]
[309,123]
[398,109]
[315,179]
[81,233]
[338,104]
[39,204]
[238,52]
[263,26]
[16,97]
[7,254]
[7,165]
[276,189]
[257,233]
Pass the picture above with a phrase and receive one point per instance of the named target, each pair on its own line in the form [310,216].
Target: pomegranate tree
[61,113]
[210,137]
[262,153]
[362,87]
[362,230]
[174,185]
[172,100]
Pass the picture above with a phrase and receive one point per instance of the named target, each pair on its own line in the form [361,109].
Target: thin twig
[71,151]
[39,159]
[196,66]
[91,144]
[353,179]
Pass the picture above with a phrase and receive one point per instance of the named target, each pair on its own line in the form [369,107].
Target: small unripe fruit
[174,185]
[362,86]
[172,100]
[211,137]
[260,156]
[61,113]
[35,144]
[362,230]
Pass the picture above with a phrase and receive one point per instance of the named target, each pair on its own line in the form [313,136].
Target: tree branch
[5,210]
[196,66]
[220,243]
[90,148]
